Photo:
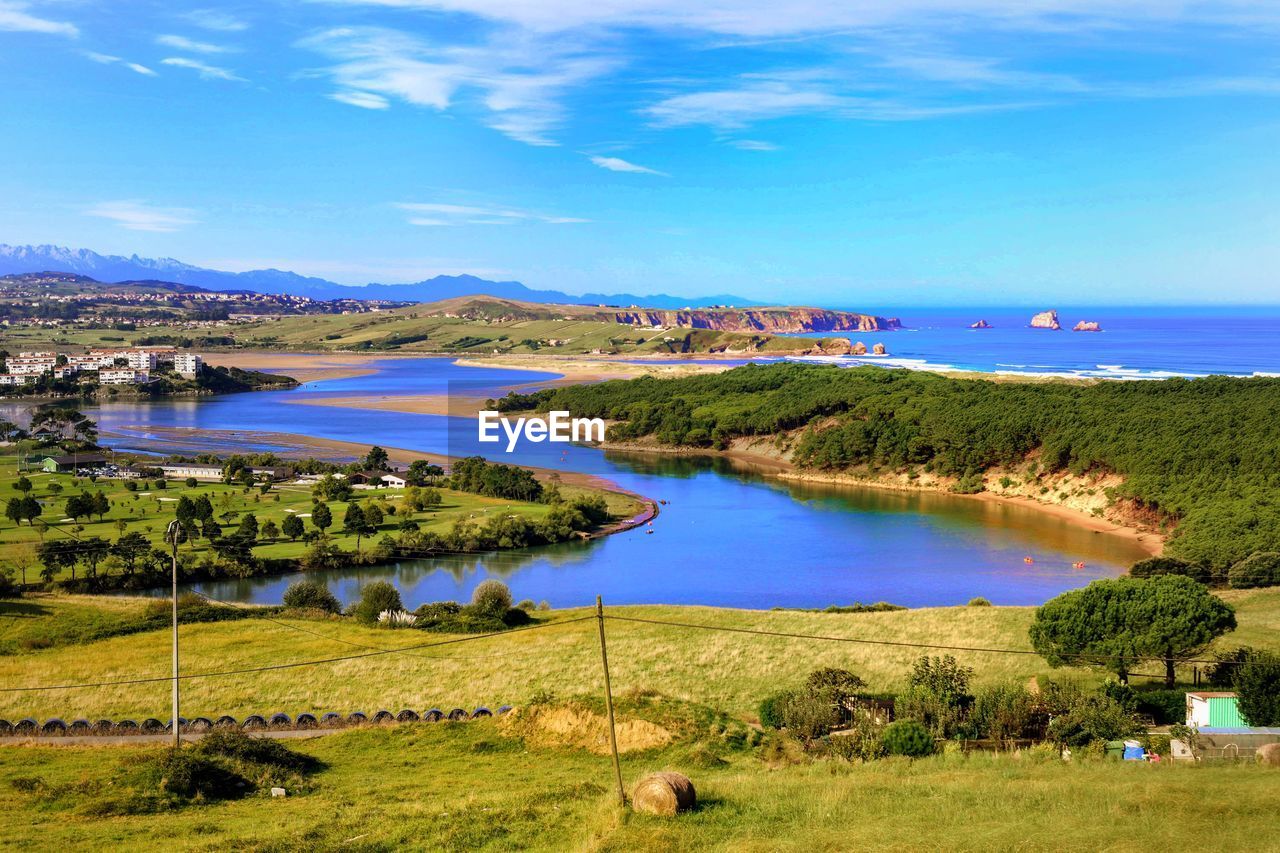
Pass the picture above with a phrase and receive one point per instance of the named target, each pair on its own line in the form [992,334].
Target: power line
[293,665]
[896,643]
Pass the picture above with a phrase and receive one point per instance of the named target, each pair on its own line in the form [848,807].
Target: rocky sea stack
[1046,320]
[1086,326]
[981,324]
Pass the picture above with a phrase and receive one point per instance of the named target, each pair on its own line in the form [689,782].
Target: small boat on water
[1028,560]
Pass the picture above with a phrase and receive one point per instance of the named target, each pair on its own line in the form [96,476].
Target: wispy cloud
[107,59]
[216,21]
[142,216]
[366,100]
[206,71]
[190,45]
[440,214]
[753,145]
[617,164]
[516,80]
[740,105]
[15,18]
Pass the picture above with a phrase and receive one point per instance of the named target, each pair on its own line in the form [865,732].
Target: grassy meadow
[727,671]
[148,510]
[477,786]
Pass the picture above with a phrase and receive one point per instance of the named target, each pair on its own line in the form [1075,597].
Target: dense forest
[1204,454]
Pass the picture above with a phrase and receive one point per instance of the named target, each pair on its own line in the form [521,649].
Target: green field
[148,510]
[515,783]
[411,330]
[469,786]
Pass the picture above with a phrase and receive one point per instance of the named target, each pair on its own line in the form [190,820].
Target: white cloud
[206,72]
[366,100]
[744,103]
[190,45]
[217,21]
[617,164]
[14,18]
[141,216]
[436,214]
[516,80]
[769,18]
[753,145]
[108,59]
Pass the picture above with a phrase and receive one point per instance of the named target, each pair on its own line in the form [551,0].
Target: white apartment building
[65,371]
[17,379]
[123,376]
[32,365]
[138,359]
[187,363]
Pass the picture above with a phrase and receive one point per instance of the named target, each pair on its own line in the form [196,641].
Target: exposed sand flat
[304,366]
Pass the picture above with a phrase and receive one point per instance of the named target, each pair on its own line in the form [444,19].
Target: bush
[375,598]
[979,602]
[1154,566]
[1258,686]
[1006,712]
[1091,717]
[310,595]
[809,716]
[773,710]
[862,741]
[491,598]
[1164,706]
[909,738]
[229,743]
[8,586]
[1223,673]
[187,774]
[1256,570]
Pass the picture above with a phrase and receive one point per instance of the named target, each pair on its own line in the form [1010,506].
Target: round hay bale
[1269,754]
[125,727]
[331,720]
[407,716]
[505,709]
[226,722]
[199,724]
[383,717]
[254,721]
[458,715]
[279,721]
[306,721]
[103,726]
[25,726]
[6,727]
[152,725]
[664,794]
[435,715]
[80,727]
[53,727]
[481,712]
[356,718]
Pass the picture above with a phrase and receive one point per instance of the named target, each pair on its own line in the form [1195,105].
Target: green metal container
[1224,713]
[1115,749]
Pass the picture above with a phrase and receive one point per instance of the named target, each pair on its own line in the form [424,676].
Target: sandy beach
[303,366]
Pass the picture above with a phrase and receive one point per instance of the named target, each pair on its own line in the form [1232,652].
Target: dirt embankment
[1085,500]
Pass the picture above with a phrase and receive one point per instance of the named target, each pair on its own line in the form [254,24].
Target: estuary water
[727,536]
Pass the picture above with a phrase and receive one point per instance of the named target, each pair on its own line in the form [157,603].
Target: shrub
[188,774]
[829,678]
[1006,712]
[1091,717]
[1154,566]
[979,602]
[375,598]
[491,598]
[1260,569]
[1163,706]
[230,743]
[773,709]
[1223,673]
[909,738]
[863,741]
[310,595]
[1258,686]
[8,586]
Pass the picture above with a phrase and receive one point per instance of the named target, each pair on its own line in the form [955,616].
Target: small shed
[1214,710]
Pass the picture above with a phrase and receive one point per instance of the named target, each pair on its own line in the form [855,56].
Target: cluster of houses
[113,366]
[213,472]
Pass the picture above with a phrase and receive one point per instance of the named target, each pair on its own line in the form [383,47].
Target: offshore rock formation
[981,324]
[1046,320]
[1086,326]
[879,349]
[858,349]
[769,320]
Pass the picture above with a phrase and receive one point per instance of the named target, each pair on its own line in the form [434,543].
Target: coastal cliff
[769,320]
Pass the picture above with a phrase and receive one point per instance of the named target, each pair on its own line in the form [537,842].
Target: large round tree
[1116,623]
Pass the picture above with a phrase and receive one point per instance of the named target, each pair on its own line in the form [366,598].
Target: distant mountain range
[114,268]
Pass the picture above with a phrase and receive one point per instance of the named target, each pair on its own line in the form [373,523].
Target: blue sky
[857,153]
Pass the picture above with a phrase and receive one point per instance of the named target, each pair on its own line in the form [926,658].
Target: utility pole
[173,535]
[608,701]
